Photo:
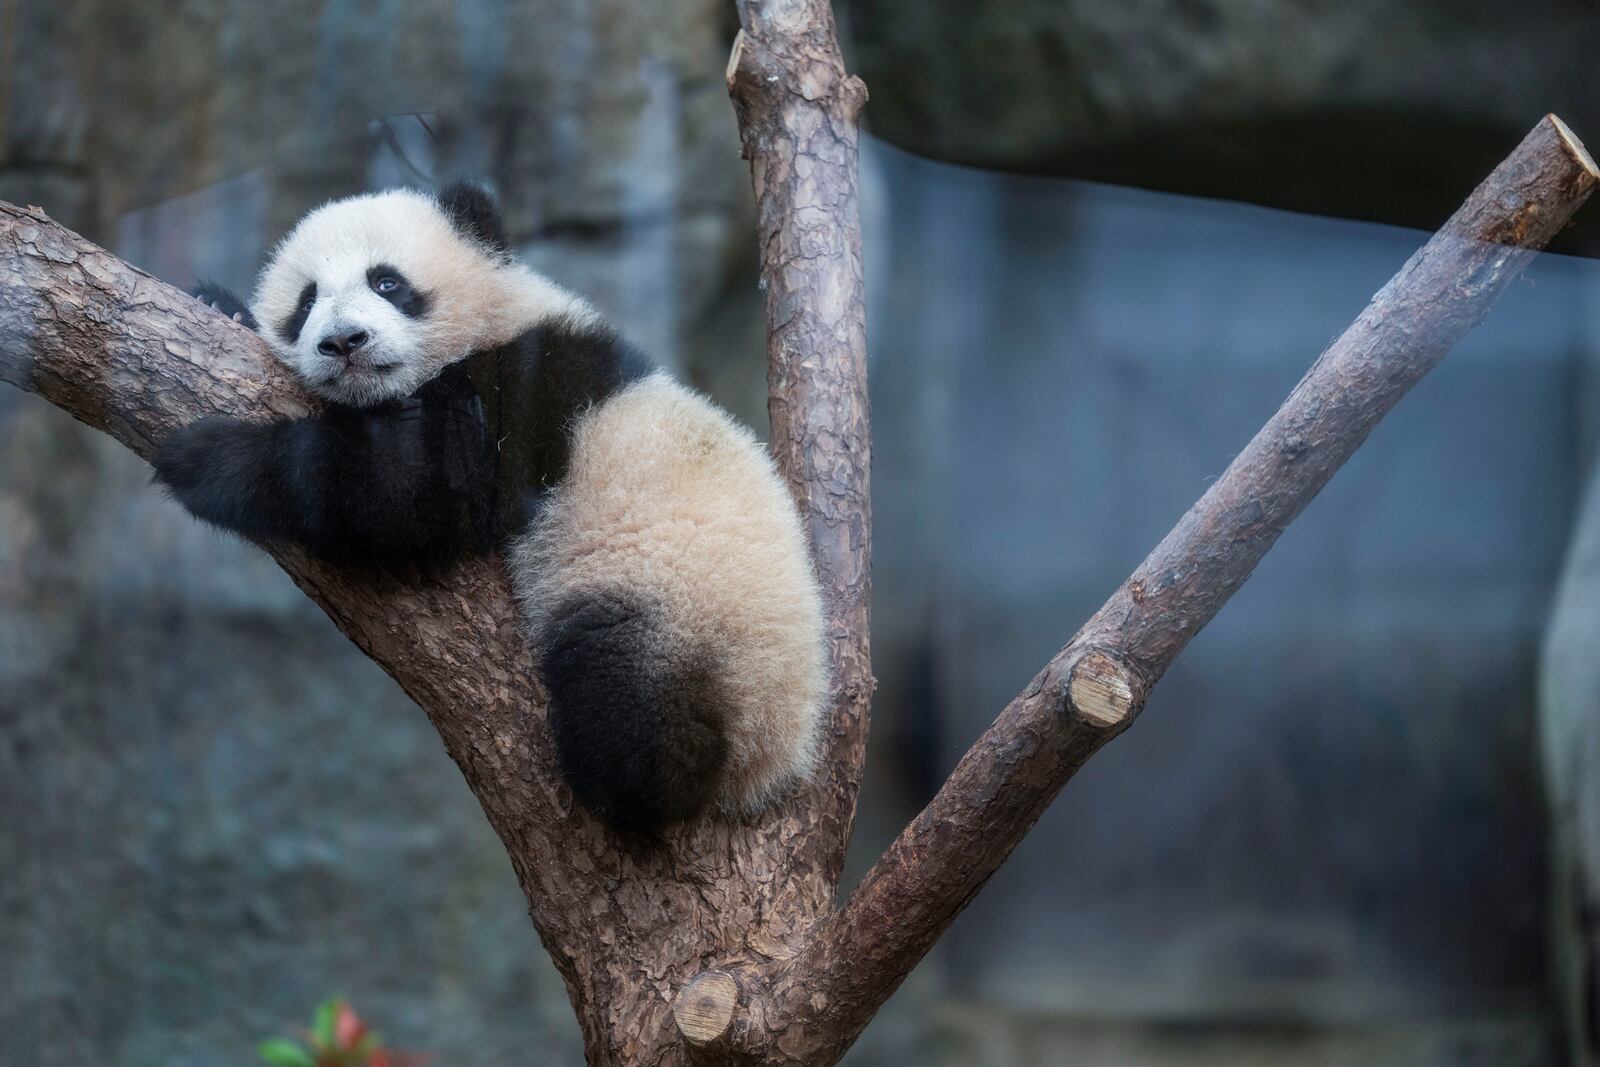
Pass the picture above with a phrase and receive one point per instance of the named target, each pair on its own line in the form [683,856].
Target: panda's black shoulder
[574,361]
[533,389]
[586,349]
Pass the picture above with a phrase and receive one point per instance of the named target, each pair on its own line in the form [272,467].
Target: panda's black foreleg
[225,301]
[387,488]
[230,473]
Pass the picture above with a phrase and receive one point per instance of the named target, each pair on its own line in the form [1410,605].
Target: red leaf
[348,1029]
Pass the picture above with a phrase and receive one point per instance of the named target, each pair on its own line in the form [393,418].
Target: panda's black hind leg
[635,715]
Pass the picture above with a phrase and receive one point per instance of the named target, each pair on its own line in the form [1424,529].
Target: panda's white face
[359,339]
[371,297]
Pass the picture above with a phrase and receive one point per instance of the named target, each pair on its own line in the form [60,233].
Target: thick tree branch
[818,1003]
[130,355]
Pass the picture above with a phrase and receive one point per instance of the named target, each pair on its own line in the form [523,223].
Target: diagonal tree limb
[130,355]
[813,1007]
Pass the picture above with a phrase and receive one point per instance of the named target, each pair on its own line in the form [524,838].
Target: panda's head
[370,297]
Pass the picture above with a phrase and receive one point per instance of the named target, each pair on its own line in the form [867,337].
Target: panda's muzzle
[342,345]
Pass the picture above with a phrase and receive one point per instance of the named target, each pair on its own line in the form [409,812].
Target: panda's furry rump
[674,613]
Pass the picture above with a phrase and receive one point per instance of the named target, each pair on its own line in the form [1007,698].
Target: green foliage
[337,1038]
[281,1052]
[322,1022]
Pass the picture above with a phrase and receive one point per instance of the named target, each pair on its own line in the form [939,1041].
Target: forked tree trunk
[722,942]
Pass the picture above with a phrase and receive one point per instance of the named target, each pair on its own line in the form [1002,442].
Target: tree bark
[720,941]
[797,109]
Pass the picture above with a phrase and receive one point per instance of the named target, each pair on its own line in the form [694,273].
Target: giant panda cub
[472,404]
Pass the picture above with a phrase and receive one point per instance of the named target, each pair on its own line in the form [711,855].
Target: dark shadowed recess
[1388,113]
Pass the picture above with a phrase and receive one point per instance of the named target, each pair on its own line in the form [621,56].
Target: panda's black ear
[472,210]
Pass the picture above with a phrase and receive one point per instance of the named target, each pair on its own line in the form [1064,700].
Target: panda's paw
[220,299]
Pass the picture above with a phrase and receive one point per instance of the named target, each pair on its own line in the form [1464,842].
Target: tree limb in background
[1092,689]
[722,940]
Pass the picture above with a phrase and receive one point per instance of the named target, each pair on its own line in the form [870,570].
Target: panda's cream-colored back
[672,504]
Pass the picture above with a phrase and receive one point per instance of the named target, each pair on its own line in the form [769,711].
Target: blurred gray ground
[1325,843]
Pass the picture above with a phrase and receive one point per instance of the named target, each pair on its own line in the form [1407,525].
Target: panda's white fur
[481,297]
[664,574]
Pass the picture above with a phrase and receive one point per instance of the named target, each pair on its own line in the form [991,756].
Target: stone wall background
[214,811]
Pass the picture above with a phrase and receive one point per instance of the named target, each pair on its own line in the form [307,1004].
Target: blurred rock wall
[192,134]
[1570,722]
[213,810]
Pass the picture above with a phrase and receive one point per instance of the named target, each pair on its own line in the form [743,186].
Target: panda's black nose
[342,345]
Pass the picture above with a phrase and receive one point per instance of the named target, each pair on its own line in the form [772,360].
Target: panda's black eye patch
[398,290]
[291,327]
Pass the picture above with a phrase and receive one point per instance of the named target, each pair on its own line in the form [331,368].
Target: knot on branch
[758,75]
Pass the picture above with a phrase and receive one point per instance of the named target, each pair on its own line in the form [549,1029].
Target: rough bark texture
[784,976]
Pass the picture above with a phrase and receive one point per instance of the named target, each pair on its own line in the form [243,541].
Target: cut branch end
[704,1009]
[737,54]
[1574,147]
[1103,691]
